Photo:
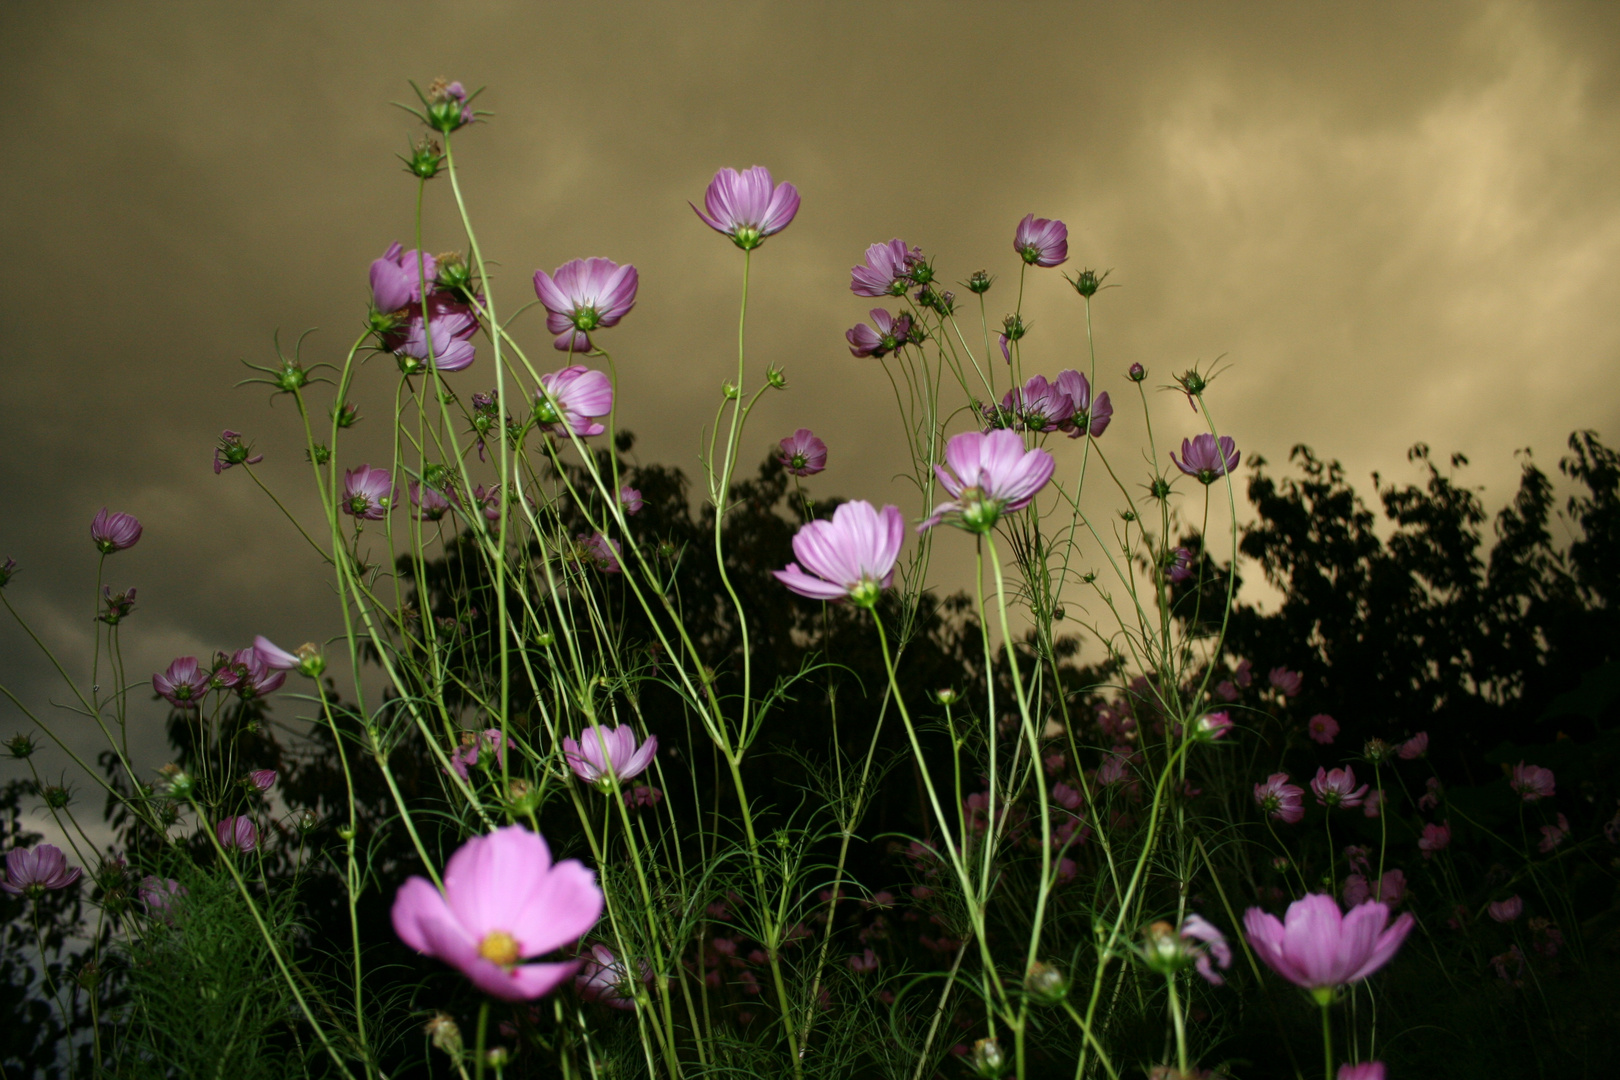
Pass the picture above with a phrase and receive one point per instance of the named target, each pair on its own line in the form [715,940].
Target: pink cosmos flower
[1213,725]
[396,278]
[262,779]
[747,207]
[1532,782]
[1554,835]
[249,676]
[183,684]
[863,963]
[1366,1070]
[1042,241]
[601,552]
[159,895]
[430,504]
[1505,911]
[579,397]
[585,295]
[503,902]
[989,474]
[853,555]
[367,493]
[1036,406]
[803,454]
[273,656]
[1088,417]
[1322,727]
[1203,460]
[1374,804]
[1315,947]
[630,499]
[114,532]
[891,333]
[32,872]
[602,753]
[1243,674]
[232,451]
[1391,889]
[1223,689]
[467,753]
[1285,802]
[237,834]
[443,335]
[603,979]
[1413,748]
[1435,839]
[887,270]
[1287,683]
[1338,788]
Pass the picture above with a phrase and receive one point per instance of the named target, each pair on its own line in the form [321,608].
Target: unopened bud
[307,821]
[347,416]
[1137,373]
[1376,751]
[21,746]
[946,696]
[1058,612]
[425,159]
[310,661]
[979,283]
[443,1032]
[1045,984]
[176,783]
[545,639]
[56,796]
[776,378]
[7,569]
[730,391]
[988,1059]
[1087,282]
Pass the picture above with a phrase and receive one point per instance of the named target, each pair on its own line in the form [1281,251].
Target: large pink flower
[989,474]
[445,332]
[368,493]
[1337,787]
[622,757]
[183,684]
[114,532]
[503,902]
[30,872]
[1089,417]
[887,270]
[852,555]
[1285,802]
[581,395]
[747,206]
[1041,241]
[396,278]
[803,454]
[585,295]
[1318,948]
[1532,782]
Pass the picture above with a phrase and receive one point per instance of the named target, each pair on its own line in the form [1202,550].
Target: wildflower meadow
[621,769]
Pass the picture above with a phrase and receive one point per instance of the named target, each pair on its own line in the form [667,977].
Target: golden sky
[1392,222]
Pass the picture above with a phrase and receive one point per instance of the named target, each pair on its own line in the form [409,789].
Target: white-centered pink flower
[583,296]
[602,753]
[748,206]
[580,396]
[852,555]
[988,474]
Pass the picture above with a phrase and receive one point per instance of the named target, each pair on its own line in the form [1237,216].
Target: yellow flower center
[499,947]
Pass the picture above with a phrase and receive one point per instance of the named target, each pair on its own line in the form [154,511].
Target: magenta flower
[863,963]
[1553,835]
[429,503]
[585,295]
[1373,806]
[1042,241]
[1087,417]
[579,396]
[1532,782]
[803,454]
[630,499]
[1366,1070]
[891,333]
[237,834]
[114,532]
[1322,728]
[600,552]
[1213,725]
[33,872]
[1285,802]
[273,656]
[602,753]
[396,278]
[1414,748]
[467,753]
[442,335]
[603,978]
[1243,674]
[1179,570]
[1435,839]
[1315,947]
[232,451]
[503,902]
[367,493]
[262,779]
[183,684]
[989,474]
[1338,788]
[1286,682]
[159,895]
[1505,911]
[1036,406]
[1391,889]
[1202,459]
[250,677]
[852,555]
[887,270]
[747,207]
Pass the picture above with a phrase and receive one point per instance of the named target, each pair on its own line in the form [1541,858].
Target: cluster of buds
[1087,282]
[448,106]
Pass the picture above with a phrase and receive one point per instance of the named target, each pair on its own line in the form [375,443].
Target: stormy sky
[1387,222]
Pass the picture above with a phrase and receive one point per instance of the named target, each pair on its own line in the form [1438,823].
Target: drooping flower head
[1179,570]
[183,684]
[747,206]
[1212,726]
[989,474]
[600,551]
[585,295]
[886,271]
[1283,801]
[579,397]
[262,779]
[1088,417]
[368,493]
[602,753]
[1532,782]
[1338,788]
[803,454]
[1553,836]
[250,677]
[471,744]
[851,555]
[114,532]
[1204,460]
[32,872]
[1505,911]
[886,334]
[503,902]
[429,503]
[439,332]
[232,451]
[1197,943]
[1041,241]
[1322,728]
[630,499]
[237,834]
[397,277]
[1316,947]
[1391,889]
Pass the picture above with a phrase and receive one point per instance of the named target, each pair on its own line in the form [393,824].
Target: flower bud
[425,159]
[443,1032]
[979,283]
[1045,984]
[545,639]
[447,107]
[1377,751]
[454,273]
[21,746]
[776,378]
[947,696]
[345,832]
[56,796]
[988,1059]
[290,378]
[1137,373]
[307,821]
[497,1057]
[1087,282]
[320,455]
[7,569]
[522,797]
[1013,327]
[1058,612]
[921,272]
[176,783]
[730,391]
[347,416]
[1160,488]
[310,661]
